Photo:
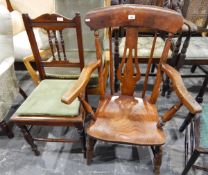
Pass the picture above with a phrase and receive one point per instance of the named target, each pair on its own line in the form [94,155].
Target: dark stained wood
[54,24]
[157,18]
[6,129]
[127,119]
[9,6]
[124,117]
[194,133]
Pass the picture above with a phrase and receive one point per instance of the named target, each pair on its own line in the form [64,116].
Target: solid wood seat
[127,119]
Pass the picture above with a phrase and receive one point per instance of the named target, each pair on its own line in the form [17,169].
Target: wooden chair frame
[51,23]
[192,135]
[115,17]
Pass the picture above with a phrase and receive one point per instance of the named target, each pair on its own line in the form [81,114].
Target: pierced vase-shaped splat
[129,71]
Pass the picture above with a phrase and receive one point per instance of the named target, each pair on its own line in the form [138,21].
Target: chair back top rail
[134,17]
[54,25]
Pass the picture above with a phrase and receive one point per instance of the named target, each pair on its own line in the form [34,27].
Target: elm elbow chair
[125,117]
[43,107]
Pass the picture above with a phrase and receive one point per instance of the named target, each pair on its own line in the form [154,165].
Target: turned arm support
[81,83]
[181,91]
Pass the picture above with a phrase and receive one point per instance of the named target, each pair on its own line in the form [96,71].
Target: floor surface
[16,157]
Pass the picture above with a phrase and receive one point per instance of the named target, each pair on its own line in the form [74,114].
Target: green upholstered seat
[204,127]
[46,100]
[144,47]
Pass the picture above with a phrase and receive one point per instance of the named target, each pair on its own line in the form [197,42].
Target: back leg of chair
[82,140]
[22,92]
[157,159]
[90,149]
[193,68]
[191,161]
[6,129]
[28,137]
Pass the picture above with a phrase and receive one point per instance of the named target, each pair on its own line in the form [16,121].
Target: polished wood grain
[151,18]
[125,117]
[54,24]
[181,90]
[81,83]
[9,6]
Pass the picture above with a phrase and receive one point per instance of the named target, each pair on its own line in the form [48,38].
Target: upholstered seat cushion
[46,100]
[204,127]
[197,48]
[144,47]
[127,119]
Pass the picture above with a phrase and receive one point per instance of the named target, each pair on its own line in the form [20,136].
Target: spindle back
[54,26]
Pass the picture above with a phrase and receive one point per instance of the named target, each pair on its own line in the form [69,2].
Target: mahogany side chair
[72,51]
[125,117]
[44,107]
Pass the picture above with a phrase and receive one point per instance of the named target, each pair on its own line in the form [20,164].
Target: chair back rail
[133,18]
[54,25]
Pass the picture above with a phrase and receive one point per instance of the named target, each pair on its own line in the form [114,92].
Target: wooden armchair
[43,107]
[125,117]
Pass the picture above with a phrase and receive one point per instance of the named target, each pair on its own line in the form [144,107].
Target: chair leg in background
[166,86]
[83,140]
[29,139]
[90,148]
[22,92]
[193,68]
[191,161]
[6,129]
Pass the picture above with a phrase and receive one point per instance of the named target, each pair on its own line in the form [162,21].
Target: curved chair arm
[81,83]
[181,91]
[27,62]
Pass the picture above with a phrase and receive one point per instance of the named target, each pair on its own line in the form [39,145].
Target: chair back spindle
[134,18]
[55,25]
